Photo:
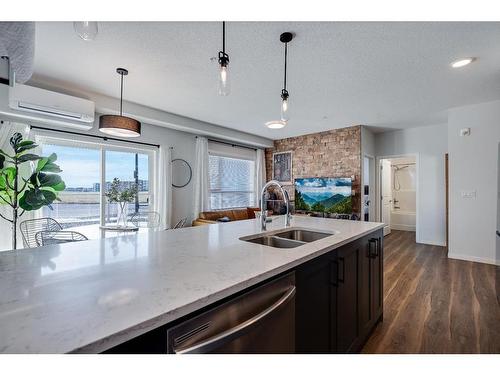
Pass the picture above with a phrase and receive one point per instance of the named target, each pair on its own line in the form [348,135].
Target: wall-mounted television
[324,194]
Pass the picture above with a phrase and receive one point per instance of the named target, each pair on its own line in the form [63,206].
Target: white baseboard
[433,243]
[405,227]
[471,258]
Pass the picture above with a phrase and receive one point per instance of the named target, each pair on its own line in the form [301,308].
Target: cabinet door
[377,276]
[365,293]
[347,330]
[313,307]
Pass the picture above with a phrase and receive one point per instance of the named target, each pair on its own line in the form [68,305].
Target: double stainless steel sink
[287,238]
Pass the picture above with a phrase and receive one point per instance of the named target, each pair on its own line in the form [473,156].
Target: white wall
[431,144]
[473,168]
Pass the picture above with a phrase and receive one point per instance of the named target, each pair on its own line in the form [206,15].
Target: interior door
[385,195]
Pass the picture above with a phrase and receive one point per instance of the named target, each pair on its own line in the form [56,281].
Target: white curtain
[163,188]
[7,129]
[260,174]
[200,178]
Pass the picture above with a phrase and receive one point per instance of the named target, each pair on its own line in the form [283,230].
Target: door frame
[373,189]
[447,198]
[417,189]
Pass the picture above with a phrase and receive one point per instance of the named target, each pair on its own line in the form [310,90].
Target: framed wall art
[282,167]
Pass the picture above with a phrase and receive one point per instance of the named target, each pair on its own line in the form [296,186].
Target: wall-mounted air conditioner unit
[35,105]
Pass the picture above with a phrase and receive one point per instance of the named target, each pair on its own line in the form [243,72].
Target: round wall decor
[181,173]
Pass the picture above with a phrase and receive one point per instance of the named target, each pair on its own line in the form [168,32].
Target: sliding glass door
[132,169]
[80,201]
[88,170]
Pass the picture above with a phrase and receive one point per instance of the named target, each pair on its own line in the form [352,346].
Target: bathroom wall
[403,187]
[431,145]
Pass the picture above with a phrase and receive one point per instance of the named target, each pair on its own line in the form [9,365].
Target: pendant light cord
[121,94]
[284,78]
[224,37]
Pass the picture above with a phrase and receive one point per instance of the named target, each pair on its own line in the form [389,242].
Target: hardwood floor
[433,304]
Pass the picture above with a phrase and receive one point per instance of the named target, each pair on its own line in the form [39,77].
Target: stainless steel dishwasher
[259,321]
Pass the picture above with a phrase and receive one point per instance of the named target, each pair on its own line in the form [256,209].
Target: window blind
[231,182]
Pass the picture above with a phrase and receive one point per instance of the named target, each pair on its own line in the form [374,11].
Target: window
[231,182]
[86,168]
[80,201]
[131,168]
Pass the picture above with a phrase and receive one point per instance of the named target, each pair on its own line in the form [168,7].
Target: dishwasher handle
[240,329]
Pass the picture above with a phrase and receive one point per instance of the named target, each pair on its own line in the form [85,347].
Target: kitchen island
[88,297]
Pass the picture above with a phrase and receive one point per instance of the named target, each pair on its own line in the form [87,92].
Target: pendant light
[119,125]
[86,30]
[285,38]
[223,77]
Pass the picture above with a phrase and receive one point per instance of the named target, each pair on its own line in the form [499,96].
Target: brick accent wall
[334,153]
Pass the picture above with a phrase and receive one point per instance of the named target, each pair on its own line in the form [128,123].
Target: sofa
[211,217]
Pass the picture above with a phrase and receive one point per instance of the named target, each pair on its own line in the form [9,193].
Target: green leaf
[24,148]
[52,158]
[49,197]
[34,197]
[51,167]
[6,197]
[34,179]
[41,164]
[25,206]
[10,174]
[15,140]
[28,157]
[59,187]
[3,181]
[49,179]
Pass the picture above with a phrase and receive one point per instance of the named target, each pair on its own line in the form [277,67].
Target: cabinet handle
[372,254]
[341,279]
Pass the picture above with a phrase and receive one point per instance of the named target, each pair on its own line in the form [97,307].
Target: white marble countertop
[90,296]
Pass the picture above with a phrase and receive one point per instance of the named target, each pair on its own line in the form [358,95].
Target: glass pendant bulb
[224,86]
[223,74]
[284,110]
[284,105]
[86,30]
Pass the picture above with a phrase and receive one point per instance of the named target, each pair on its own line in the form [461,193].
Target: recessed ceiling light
[276,124]
[462,62]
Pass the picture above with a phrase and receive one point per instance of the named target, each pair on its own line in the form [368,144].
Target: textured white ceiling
[386,75]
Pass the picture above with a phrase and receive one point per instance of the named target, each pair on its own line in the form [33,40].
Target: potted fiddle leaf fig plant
[31,190]
[122,196]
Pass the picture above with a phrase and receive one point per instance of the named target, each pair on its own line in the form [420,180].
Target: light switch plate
[469,194]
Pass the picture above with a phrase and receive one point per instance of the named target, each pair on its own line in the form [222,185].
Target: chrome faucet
[263,203]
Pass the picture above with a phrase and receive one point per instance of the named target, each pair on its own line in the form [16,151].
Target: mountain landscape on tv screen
[331,195]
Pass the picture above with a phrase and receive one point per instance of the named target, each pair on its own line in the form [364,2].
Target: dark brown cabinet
[314,304]
[338,301]
[371,284]
[340,297]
